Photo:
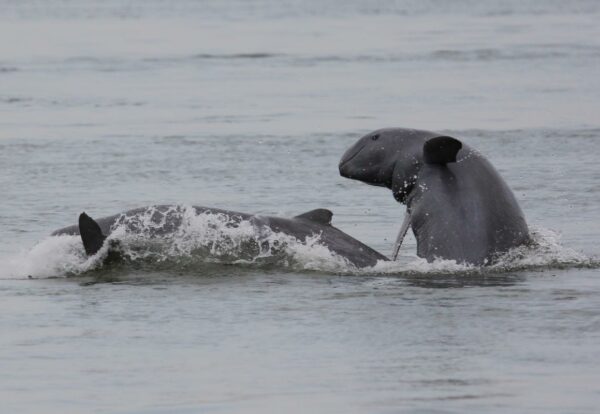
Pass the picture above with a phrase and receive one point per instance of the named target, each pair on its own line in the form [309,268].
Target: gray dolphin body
[457,204]
[167,219]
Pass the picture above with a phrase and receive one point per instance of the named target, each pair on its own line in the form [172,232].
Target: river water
[248,106]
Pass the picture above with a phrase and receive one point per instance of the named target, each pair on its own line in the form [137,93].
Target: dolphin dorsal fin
[441,150]
[320,215]
[91,234]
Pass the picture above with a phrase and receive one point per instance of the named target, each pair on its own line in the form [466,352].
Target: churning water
[248,106]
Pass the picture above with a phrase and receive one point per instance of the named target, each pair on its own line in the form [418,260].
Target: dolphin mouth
[347,158]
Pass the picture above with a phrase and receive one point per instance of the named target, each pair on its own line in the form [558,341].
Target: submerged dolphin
[457,204]
[167,219]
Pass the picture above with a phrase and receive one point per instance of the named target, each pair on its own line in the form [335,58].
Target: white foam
[417,265]
[545,251]
[53,256]
[216,238]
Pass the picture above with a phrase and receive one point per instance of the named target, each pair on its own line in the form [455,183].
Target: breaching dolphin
[168,219]
[458,206]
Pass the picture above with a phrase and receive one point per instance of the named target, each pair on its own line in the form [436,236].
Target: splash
[53,256]
[544,252]
[217,238]
[181,238]
[177,238]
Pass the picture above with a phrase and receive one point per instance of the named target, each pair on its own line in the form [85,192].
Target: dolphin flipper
[441,150]
[401,234]
[91,234]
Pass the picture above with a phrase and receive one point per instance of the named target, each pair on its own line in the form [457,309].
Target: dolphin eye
[375,137]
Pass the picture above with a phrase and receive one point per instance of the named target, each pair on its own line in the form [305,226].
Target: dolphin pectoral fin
[91,234]
[320,215]
[441,150]
[401,234]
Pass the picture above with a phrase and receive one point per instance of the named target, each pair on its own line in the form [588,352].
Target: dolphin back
[465,211]
[166,219]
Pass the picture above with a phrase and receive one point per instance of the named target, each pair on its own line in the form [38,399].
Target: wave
[256,55]
[8,69]
[529,52]
[533,52]
[203,240]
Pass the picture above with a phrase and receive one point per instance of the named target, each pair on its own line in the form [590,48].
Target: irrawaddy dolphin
[168,219]
[458,206]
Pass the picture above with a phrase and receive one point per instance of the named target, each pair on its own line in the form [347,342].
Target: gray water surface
[249,106]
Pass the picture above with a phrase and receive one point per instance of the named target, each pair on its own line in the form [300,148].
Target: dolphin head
[393,157]
[371,159]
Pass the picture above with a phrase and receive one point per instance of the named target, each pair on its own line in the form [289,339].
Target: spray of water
[545,251]
[196,239]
